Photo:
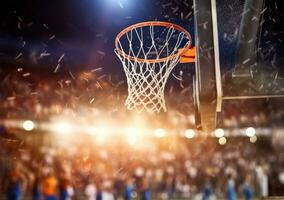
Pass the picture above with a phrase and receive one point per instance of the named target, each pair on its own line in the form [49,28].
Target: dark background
[84,31]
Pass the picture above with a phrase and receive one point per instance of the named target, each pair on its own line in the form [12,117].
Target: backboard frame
[207,65]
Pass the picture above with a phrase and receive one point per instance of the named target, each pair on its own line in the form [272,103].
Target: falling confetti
[26,74]
[92,100]
[44,55]
[19,56]
[61,57]
[96,69]
[45,26]
[101,53]
[57,68]
[72,76]
[246,61]
[52,37]
[121,5]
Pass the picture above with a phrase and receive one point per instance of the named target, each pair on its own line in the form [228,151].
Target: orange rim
[152,23]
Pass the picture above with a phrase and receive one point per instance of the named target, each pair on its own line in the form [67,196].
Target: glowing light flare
[104,131]
[92,131]
[115,3]
[62,127]
[28,125]
[132,135]
[132,141]
[253,139]
[222,141]
[160,133]
[219,133]
[191,119]
[101,139]
[132,131]
[250,132]
[189,133]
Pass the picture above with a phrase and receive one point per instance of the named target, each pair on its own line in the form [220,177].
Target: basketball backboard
[229,51]
[235,57]
[208,90]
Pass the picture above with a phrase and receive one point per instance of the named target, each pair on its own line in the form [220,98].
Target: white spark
[96,69]
[60,59]
[121,5]
[52,37]
[57,68]
[26,74]
[45,26]
[18,56]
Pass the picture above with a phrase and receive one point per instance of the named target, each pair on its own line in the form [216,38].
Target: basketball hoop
[149,51]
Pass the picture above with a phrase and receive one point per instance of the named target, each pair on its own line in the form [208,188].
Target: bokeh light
[160,133]
[253,139]
[189,133]
[28,125]
[222,141]
[250,131]
[219,133]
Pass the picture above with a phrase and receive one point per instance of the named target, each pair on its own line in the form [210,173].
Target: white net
[149,54]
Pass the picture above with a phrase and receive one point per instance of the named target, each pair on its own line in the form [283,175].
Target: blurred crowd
[92,93]
[40,168]
[166,169]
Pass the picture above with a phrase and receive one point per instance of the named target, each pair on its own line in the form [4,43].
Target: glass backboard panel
[239,36]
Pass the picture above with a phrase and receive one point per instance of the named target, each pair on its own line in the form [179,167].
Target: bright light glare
[189,133]
[131,141]
[253,139]
[219,133]
[222,141]
[92,130]
[101,139]
[131,131]
[250,132]
[160,133]
[132,135]
[115,3]
[62,127]
[28,125]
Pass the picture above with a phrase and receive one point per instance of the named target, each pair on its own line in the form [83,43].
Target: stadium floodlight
[189,133]
[222,141]
[160,133]
[253,139]
[219,133]
[28,125]
[250,132]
